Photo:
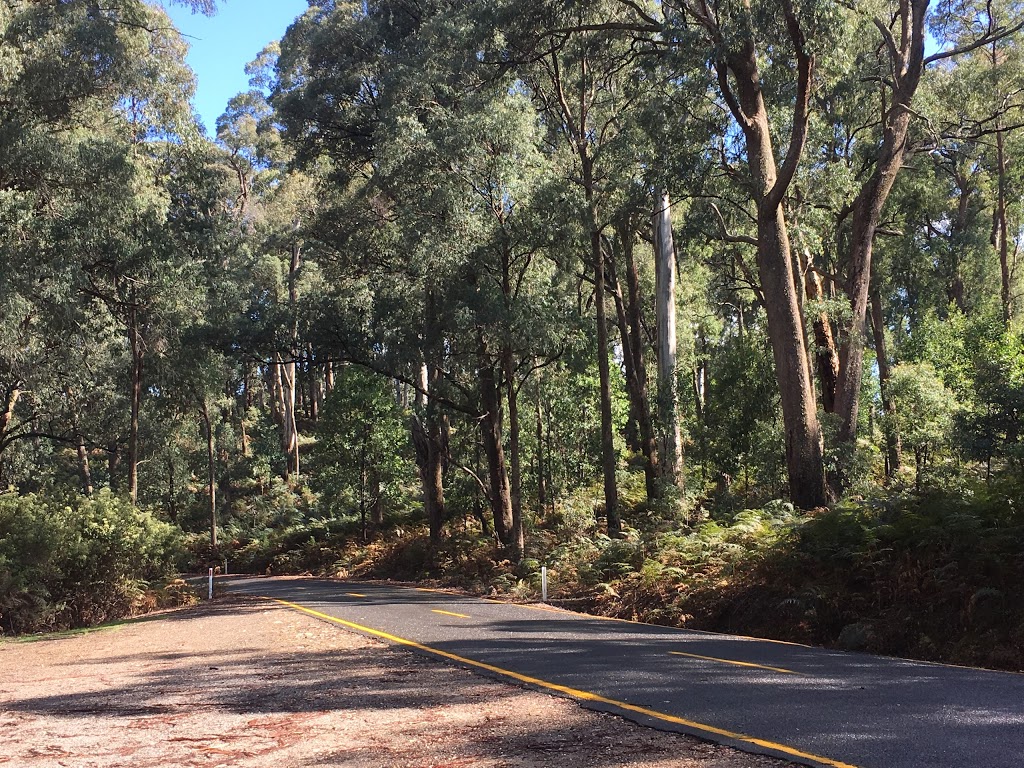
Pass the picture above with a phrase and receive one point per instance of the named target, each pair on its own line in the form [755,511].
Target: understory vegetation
[77,562]
[711,309]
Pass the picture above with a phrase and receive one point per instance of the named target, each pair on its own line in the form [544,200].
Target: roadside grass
[64,634]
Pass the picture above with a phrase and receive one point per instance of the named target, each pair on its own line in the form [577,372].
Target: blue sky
[223,44]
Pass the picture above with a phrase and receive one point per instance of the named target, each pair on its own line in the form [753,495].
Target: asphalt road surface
[809,705]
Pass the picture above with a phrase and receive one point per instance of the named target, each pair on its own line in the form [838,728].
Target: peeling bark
[826,355]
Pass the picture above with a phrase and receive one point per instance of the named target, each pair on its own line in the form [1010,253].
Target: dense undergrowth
[931,575]
[78,562]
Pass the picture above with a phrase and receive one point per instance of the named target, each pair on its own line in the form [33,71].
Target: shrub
[78,562]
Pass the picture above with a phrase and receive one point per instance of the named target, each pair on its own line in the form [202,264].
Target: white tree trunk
[668,389]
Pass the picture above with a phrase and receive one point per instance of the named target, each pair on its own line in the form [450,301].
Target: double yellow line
[575,692]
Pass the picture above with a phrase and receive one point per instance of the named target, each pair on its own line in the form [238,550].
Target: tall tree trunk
[609,461]
[211,472]
[276,391]
[867,211]
[491,432]
[579,130]
[804,462]
[436,461]
[668,387]
[542,494]
[608,458]
[290,434]
[362,489]
[138,350]
[893,445]
[633,350]
[866,214]
[631,430]
[517,536]
[804,458]
[1003,230]
[430,428]
[289,430]
[430,438]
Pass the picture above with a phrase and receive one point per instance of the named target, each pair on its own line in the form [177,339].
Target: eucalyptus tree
[341,68]
[977,109]
[586,81]
[90,102]
[272,204]
[900,70]
[517,299]
[763,57]
[428,189]
[761,82]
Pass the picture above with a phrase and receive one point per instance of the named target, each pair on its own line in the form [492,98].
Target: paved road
[809,705]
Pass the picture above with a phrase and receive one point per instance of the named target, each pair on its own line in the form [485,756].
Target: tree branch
[801,109]
[745,239]
[990,37]
[475,476]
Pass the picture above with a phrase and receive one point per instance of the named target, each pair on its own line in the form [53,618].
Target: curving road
[808,705]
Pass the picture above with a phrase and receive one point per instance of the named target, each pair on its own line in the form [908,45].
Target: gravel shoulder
[243,683]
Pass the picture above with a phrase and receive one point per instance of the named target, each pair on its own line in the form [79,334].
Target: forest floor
[245,684]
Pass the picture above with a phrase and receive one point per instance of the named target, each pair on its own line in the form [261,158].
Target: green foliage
[78,562]
[924,410]
[737,442]
[993,427]
[361,460]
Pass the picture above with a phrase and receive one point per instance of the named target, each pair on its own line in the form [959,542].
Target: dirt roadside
[240,682]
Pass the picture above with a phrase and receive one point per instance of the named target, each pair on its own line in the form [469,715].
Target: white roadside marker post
[544,584]
[211,583]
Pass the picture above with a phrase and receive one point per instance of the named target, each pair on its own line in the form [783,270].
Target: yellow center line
[449,613]
[574,692]
[737,663]
[355,594]
[627,621]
